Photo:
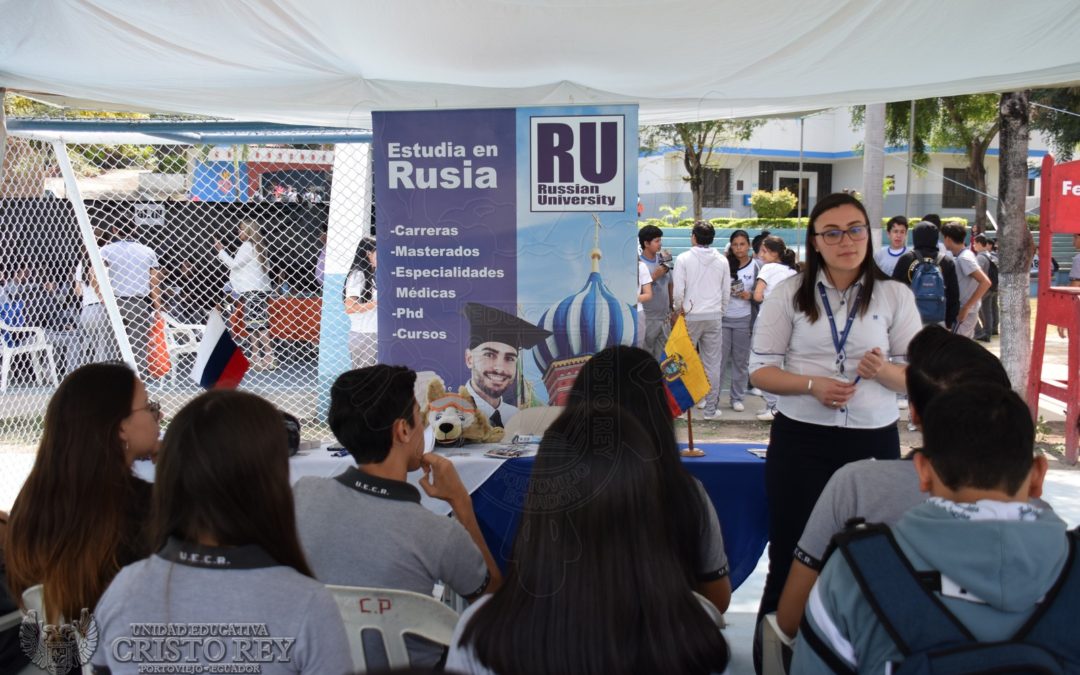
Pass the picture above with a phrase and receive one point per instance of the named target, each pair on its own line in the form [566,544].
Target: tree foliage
[1061,129]
[968,123]
[697,141]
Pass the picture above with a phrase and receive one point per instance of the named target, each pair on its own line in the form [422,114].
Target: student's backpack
[928,285]
[991,271]
[933,640]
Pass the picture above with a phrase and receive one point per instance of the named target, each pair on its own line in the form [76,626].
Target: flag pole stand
[691,451]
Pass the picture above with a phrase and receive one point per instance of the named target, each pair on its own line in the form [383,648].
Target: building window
[1031,187]
[716,189]
[954,193]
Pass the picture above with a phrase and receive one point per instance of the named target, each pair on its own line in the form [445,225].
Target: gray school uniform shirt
[362,530]
[876,490]
[233,607]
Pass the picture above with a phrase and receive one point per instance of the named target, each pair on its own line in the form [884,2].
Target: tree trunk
[696,173]
[977,175]
[1015,243]
[874,168]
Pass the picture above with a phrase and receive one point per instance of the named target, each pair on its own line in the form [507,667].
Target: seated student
[631,378]
[594,585]
[881,491]
[228,554]
[976,549]
[924,239]
[366,527]
[81,515]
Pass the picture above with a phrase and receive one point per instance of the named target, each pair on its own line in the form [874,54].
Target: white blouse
[785,338]
[245,272]
[366,321]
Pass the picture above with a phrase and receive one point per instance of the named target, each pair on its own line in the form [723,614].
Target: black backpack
[932,639]
[991,271]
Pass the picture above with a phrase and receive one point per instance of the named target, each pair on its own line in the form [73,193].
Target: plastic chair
[714,614]
[33,599]
[17,339]
[1059,212]
[775,647]
[181,338]
[392,613]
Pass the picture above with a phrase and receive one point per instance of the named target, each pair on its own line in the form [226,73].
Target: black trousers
[801,459]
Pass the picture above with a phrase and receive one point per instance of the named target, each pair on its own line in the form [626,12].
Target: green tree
[967,122]
[1061,129]
[697,141]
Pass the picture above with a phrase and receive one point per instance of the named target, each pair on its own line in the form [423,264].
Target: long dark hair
[785,254]
[78,518]
[224,473]
[806,298]
[362,263]
[630,377]
[733,262]
[591,588]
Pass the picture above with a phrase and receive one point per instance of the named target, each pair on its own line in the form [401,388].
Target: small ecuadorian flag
[684,374]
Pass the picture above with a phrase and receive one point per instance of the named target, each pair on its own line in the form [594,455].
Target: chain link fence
[265,228]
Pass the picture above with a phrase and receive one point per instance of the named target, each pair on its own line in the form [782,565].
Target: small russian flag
[219,364]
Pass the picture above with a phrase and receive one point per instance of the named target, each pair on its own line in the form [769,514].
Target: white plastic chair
[392,613]
[710,609]
[775,647]
[16,340]
[33,599]
[181,338]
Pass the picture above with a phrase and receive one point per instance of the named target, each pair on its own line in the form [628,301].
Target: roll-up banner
[507,246]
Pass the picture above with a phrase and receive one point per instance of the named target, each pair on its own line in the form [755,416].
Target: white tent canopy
[331,62]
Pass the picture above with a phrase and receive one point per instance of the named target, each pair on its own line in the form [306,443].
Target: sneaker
[738,406]
[714,415]
[701,404]
[766,416]
[755,391]
[901,403]
[911,427]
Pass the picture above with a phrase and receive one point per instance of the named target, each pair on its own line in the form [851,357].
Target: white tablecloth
[470,462]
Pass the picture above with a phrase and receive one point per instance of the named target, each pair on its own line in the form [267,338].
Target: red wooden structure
[1059,212]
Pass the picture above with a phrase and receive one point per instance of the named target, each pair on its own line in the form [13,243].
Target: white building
[770,161]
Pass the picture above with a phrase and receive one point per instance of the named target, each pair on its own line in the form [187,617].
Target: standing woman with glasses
[82,514]
[823,344]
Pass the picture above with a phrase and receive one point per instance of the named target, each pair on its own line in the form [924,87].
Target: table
[733,478]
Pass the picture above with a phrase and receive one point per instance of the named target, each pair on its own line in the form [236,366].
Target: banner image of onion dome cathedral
[581,325]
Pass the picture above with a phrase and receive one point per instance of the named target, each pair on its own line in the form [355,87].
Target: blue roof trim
[197,132]
[816,154]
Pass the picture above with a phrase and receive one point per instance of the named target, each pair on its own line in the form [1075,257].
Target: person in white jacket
[248,278]
[701,289]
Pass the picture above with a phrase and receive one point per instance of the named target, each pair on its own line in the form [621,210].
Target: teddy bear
[454,418]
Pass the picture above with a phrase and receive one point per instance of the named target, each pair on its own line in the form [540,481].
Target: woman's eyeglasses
[833,237]
[153,406]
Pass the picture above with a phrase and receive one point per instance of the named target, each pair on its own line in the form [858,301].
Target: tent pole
[910,154]
[801,206]
[3,134]
[90,243]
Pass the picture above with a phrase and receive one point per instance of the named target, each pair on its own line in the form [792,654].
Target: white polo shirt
[129,267]
[785,338]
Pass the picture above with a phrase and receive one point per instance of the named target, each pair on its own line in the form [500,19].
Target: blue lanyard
[840,339]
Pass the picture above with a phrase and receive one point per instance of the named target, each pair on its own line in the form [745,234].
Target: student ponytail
[788,258]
